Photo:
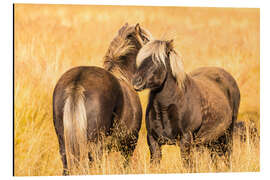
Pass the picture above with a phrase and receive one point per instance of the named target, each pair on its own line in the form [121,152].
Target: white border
[201,3]
[6,84]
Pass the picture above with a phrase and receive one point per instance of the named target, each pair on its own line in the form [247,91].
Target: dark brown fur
[199,108]
[111,106]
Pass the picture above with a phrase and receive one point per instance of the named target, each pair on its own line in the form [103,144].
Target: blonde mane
[156,49]
[121,46]
[160,50]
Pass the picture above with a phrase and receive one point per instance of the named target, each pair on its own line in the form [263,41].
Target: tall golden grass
[50,39]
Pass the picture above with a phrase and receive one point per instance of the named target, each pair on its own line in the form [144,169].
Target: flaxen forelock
[159,51]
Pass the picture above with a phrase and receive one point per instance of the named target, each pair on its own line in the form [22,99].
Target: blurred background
[50,39]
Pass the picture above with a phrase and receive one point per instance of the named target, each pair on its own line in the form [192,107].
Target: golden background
[50,39]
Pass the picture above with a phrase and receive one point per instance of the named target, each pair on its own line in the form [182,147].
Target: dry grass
[51,39]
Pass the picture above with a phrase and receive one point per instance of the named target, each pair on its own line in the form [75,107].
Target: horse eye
[129,36]
[122,57]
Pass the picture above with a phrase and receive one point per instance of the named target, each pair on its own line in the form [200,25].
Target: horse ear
[138,33]
[123,28]
[169,45]
[138,28]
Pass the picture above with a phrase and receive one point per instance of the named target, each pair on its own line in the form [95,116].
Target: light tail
[75,130]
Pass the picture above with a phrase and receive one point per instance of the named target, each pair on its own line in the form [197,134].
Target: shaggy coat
[185,109]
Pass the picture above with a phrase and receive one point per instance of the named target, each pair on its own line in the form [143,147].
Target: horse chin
[139,87]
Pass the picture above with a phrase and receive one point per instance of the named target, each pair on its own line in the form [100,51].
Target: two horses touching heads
[92,104]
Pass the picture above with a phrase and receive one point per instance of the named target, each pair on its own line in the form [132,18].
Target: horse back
[224,81]
[102,93]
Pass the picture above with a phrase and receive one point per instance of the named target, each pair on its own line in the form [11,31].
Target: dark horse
[199,108]
[91,102]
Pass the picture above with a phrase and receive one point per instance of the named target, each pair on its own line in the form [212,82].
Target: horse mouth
[138,87]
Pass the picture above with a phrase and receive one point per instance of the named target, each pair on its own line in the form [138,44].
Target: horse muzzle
[138,84]
[138,88]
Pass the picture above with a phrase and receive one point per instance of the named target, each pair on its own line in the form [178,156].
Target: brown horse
[199,108]
[91,102]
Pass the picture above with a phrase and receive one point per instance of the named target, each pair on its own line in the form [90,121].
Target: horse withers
[91,103]
[199,108]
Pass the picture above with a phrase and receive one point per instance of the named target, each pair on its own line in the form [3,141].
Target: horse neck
[125,71]
[171,93]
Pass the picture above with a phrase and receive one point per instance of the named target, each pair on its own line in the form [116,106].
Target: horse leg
[222,147]
[155,150]
[100,151]
[96,154]
[227,146]
[59,129]
[62,151]
[185,147]
[127,147]
[64,161]
[215,151]
[91,158]
[96,147]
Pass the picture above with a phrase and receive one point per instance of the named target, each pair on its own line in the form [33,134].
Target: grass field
[50,39]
